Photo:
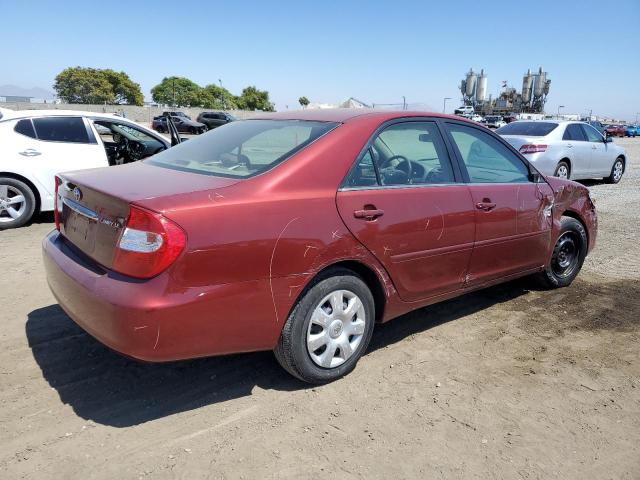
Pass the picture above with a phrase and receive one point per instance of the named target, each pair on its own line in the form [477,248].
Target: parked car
[615,131]
[631,131]
[495,121]
[566,149]
[183,124]
[477,118]
[215,119]
[37,144]
[465,110]
[176,114]
[243,240]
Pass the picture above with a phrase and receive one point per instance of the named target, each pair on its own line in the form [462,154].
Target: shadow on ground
[105,387]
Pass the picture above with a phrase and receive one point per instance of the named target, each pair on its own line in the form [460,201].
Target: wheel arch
[361,269]
[29,183]
[568,162]
[576,216]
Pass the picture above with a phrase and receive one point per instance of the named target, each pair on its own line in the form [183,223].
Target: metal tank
[541,80]
[470,83]
[481,90]
[527,83]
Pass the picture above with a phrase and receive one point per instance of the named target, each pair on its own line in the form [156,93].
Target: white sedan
[35,145]
[566,149]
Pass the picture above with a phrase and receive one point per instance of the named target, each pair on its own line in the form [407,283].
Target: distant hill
[35,92]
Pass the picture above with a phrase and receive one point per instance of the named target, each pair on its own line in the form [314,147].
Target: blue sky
[331,50]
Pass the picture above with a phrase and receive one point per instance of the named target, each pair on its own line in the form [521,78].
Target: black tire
[567,258]
[616,175]
[292,352]
[561,164]
[29,203]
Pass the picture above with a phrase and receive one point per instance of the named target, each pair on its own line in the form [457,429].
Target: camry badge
[77,194]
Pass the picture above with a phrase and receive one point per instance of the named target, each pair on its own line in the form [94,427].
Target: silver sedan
[566,149]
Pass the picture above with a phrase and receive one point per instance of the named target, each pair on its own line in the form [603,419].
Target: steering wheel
[402,172]
[123,148]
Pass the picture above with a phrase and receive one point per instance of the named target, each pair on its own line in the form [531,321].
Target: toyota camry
[298,232]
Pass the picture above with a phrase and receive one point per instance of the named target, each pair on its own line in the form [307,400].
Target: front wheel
[568,255]
[17,203]
[616,171]
[328,330]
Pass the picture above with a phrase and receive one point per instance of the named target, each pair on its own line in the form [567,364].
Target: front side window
[592,134]
[242,149]
[61,129]
[486,159]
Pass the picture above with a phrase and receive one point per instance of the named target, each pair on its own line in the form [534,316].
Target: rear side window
[61,129]
[242,149]
[574,132]
[486,159]
[25,127]
[529,129]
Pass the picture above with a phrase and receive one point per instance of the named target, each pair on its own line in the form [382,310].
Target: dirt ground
[510,382]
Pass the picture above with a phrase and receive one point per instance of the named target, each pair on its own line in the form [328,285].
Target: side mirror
[535,177]
[608,139]
[183,139]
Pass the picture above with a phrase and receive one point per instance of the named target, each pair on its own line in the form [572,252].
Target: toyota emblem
[77,194]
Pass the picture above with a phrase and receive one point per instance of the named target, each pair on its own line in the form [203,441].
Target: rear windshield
[528,129]
[242,149]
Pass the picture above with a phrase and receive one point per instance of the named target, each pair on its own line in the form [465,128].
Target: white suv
[35,145]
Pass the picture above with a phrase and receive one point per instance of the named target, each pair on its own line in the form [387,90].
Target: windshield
[528,129]
[242,149]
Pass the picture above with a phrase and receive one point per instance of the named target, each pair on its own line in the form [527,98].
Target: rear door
[60,144]
[513,213]
[578,149]
[403,201]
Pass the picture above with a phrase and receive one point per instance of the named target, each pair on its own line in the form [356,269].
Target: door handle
[593,147]
[368,214]
[486,206]
[569,145]
[30,152]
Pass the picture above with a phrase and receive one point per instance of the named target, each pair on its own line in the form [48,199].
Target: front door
[513,213]
[601,157]
[402,201]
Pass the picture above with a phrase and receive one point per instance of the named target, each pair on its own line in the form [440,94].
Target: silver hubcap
[617,171]
[12,203]
[563,172]
[336,328]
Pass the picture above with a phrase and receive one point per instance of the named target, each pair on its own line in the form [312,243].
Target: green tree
[178,91]
[213,96]
[303,101]
[93,85]
[124,89]
[83,85]
[254,99]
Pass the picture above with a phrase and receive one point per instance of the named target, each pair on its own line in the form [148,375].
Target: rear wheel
[568,255]
[17,203]
[616,171]
[562,170]
[328,330]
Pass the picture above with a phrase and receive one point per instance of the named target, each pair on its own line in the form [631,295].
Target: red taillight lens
[148,244]
[57,204]
[530,148]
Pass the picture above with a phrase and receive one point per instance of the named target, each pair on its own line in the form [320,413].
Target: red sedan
[297,232]
[615,130]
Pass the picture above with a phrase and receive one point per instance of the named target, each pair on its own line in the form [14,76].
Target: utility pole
[173,87]
[444,104]
[404,103]
[559,107]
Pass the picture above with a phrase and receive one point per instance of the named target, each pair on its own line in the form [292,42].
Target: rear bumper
[156,320]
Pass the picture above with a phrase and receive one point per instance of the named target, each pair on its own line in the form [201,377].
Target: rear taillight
[530,148]
[148,244]
[57,204]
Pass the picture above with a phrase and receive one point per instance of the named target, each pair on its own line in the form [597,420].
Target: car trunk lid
[93,205]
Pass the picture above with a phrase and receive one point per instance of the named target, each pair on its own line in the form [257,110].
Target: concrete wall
[138,114]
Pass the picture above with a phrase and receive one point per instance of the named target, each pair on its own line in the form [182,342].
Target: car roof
[348,114]
[60,113]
